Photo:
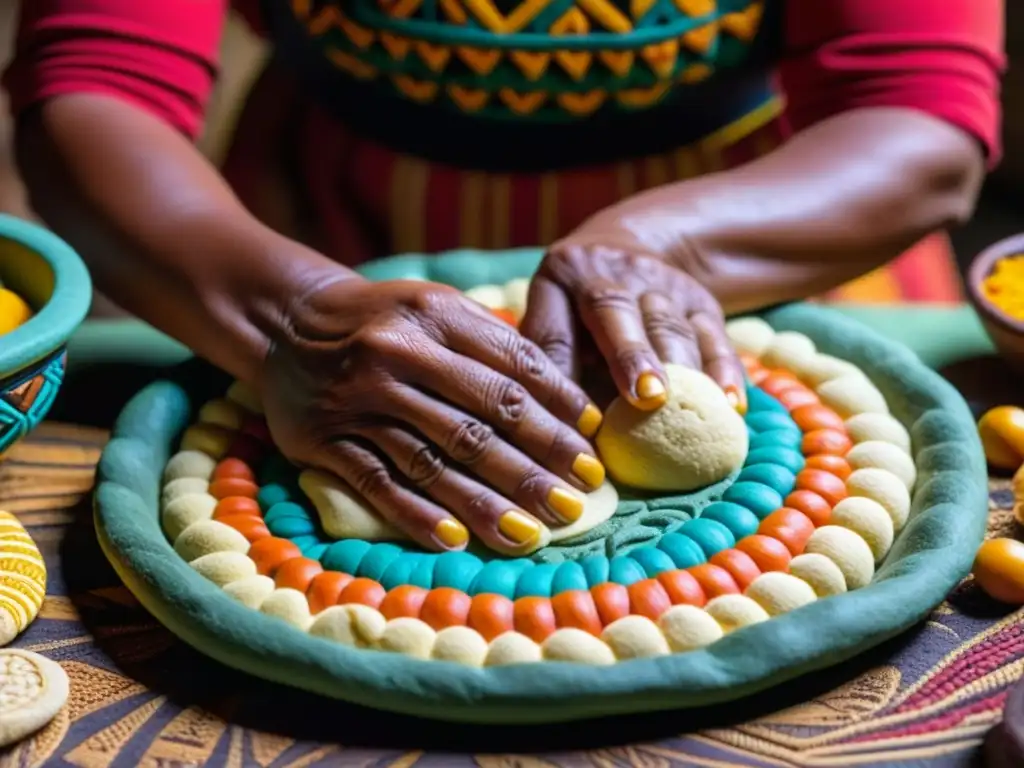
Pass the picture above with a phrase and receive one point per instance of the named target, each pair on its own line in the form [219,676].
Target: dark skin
[415,395]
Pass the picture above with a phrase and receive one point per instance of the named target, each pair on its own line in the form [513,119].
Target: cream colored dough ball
[695,439]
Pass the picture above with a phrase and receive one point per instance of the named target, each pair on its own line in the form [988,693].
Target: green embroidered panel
[563,59]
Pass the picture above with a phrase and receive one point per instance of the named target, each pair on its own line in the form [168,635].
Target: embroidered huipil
[496,123]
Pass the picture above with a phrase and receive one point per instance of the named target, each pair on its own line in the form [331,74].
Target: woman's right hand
[440,415]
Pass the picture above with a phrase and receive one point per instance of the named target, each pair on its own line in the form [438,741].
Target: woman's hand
[424,402]
[638,309]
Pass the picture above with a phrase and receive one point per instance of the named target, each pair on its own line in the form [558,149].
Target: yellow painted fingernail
[590,421]
[567,505]
[589,470]
[451,533]
[517,527]
[650,390]
[733,396]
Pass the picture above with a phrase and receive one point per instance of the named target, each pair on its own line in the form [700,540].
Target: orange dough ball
[795,398]
[575,608]
[233,486]
[297,573]
[790,526]
[237,506]
[534,617]
[325,589]
[740,566]
[233,469]
[682,588]
[827,441]
[750,363]
[253,528]
[714,581]
[758,375]
[812,417]
[491,615]
[611,601]
[270,553]
[835,465]
[648,598]
[999,570]
[363,591]
[405,601]
[769,554]
[445,607]
[826,485]
[779,382]
[811,504]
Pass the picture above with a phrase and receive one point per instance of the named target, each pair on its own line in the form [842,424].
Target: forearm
[160,230]
[838,200]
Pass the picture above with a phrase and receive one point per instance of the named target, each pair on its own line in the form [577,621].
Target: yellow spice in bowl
[13,310]
[1004,287]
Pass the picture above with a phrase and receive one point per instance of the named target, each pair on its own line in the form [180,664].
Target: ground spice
[1004,287]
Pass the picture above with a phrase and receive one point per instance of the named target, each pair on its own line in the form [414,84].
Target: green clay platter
[783,619]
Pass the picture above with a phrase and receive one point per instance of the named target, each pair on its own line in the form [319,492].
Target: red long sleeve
[944,57]
[160,54]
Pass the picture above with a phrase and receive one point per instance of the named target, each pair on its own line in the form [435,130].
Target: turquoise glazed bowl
[49,275]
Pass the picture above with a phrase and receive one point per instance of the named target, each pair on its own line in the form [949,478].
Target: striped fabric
[363,201]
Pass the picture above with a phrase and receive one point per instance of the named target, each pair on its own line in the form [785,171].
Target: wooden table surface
[139,697]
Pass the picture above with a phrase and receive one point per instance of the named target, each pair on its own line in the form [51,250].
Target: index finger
[613,316]
[505,350]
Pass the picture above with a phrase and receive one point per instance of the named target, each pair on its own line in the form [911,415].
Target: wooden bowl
[49,275]
[1006,332]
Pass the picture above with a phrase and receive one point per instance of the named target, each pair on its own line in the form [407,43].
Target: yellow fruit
[999,570]
[1002,436]
[13,311]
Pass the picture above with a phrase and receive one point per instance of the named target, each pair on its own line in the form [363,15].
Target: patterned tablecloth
[139,697]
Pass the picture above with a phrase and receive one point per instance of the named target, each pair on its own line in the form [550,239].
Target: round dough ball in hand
[695,439]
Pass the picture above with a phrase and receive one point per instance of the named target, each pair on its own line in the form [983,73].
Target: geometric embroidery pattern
[556,59]
[25,402]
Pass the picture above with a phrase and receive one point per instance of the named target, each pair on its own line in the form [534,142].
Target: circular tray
[932,553]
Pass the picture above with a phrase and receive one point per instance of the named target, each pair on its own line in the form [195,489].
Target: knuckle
[660,322]
[531,486]
[469,441]
[527,359]
[372,480]
[610,297]
[425,467]
[479,505]
[511,403]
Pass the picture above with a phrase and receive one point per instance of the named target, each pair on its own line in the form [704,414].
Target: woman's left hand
[640,312]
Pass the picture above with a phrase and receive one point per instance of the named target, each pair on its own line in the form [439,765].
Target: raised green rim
[66,308]
[931,555]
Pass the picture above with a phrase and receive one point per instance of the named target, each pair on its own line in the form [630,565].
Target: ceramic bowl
[49,275]
[1006,332]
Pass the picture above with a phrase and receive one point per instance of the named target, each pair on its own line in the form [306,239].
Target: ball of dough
[409,636]
[223,568]
[847,550]
[751,335]
[245,396]
[343,512]
[222,413]
[880,454]
[33,689]
[208,536]
[182,487]
[788,350]
[207,438]
[865,427]
[779,592]
[867,518]
[251,591]
[852,393]
[289,605]
[882,486]
[695,439]
[820,572]
[575,645]
[735,611]
[820,368]
[687,628]
[185,510]
[460,644]
[189,464]
[635,637]
[351,624]
[598,507]
[512,648]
